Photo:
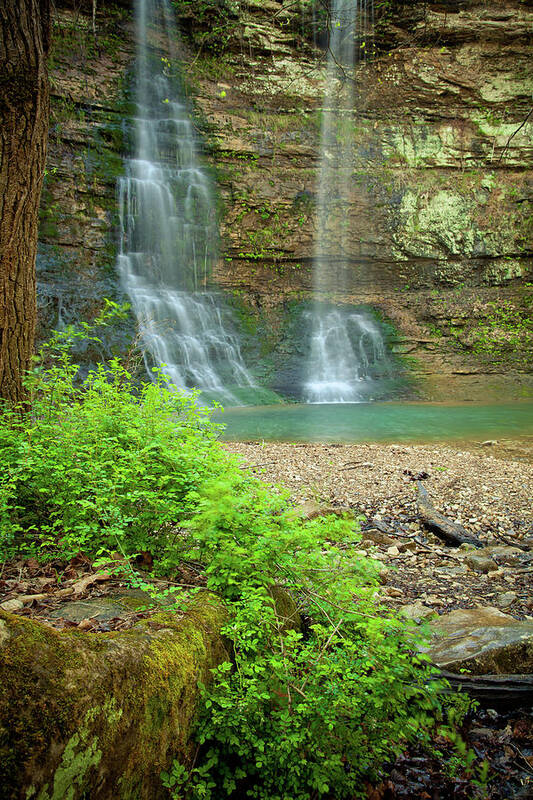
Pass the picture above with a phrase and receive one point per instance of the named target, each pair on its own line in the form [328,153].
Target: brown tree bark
[24,112]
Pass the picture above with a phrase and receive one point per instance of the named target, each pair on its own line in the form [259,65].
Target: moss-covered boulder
[100,715]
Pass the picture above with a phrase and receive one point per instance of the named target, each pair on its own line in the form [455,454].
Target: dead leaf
[33,566]
[82,585]
[86,625]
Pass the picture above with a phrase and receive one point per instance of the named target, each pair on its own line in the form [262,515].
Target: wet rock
[483,641]
[378,537]
[417,612]
[480,561]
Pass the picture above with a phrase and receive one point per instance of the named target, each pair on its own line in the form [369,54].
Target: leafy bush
[322,689]
[301,712]
[100,463]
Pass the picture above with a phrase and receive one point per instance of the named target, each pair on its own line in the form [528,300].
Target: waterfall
[169,231]
[345,345]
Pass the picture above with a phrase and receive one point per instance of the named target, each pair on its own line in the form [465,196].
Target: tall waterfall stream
[169,229]
[346,346]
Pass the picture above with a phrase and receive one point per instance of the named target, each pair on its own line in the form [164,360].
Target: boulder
[482,641]
[100,715]
[480,561]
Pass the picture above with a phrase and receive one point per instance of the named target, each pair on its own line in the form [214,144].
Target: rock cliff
[440,209]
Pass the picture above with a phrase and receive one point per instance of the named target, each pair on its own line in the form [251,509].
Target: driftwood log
[495,691]
[450,532]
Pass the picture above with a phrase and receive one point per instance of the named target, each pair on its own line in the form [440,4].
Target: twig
[256,466]
[527,766]
[513,135]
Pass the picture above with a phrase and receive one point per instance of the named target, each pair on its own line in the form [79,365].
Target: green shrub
[100,464]
[302,710]
[308,712]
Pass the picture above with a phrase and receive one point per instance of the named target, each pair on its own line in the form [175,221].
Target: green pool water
[371,422]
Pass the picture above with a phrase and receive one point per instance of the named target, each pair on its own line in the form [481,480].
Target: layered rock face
[439,212]
[89,133]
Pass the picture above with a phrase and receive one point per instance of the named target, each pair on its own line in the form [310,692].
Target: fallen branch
[450,532]
[496,691]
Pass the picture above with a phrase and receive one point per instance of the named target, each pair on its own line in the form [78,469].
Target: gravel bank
[490,496]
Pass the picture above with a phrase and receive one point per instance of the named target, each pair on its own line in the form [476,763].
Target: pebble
[11,606]
[417,611]
[480,562]
[393,592]
[505,600]
[489,495]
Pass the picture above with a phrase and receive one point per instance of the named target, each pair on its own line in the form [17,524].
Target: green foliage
[305,712]
[210,23]
[507,328]
[321,690]
[100,463]
[501,332]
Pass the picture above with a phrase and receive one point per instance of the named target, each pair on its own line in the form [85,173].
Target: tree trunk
[24,112]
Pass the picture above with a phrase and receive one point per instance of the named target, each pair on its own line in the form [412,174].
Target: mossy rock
[101,715]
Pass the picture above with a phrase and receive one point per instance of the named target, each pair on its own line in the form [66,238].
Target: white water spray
[169,232]
[346,345]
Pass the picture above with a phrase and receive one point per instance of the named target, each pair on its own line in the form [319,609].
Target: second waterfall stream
[169,231]
[347,350]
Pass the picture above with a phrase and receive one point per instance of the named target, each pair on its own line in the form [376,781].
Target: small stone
[495,573]
[393,551]
[377,537]
[393,592]
[489,443]
[406,546]
[509,556]
[12,606]
[417,611]
[506,600]
[480,562]
[434,600]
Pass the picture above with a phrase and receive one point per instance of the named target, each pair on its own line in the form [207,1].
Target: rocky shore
[491,497]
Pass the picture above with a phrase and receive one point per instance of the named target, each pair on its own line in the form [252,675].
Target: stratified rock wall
[88,136]
[440,213]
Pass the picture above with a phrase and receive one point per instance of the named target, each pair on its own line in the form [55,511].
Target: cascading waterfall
[346,346]
[169,231]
